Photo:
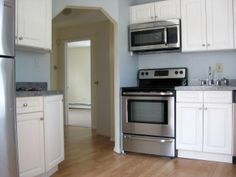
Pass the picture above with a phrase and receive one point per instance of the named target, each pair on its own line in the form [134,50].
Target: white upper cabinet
[234,23]
[167,9]
[207,25]
[219,24]
[155,11]
[33,28]
[193,25]
[142,13]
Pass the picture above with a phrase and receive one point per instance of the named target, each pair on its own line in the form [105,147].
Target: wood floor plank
[90,155]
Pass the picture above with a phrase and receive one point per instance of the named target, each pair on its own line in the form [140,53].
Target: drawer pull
[25,105]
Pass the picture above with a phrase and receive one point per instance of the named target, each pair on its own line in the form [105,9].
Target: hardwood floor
[90,155]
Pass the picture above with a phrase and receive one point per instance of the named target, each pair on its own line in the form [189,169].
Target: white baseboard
[205,156]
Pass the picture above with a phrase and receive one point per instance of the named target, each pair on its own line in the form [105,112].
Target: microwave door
[173,36]
[148,39]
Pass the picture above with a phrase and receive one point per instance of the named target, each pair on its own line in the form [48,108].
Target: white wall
[79,75]
[32,67]
[197,63]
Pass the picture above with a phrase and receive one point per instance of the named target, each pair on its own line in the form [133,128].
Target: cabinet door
[219,24]
[218,128]
[30,133]
[167,9]
[193,25]
[31,19]
[54,131]
[142,13]
[234,23]
[189,126]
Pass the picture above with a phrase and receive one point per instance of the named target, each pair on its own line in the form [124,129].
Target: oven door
[148,115]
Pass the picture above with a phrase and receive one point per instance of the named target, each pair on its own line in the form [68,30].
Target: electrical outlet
[219,67]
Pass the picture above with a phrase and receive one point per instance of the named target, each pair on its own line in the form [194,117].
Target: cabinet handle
[21,38]
[25,105]
[41,118]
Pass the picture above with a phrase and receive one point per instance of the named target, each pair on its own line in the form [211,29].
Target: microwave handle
[165,36]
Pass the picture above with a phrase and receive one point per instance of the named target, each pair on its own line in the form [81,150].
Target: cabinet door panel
[234,23]
[219,24]
[54,131]
[167,9]
[218,128]
[189,126]
[31,22]
[30,144]
[193,16]
[142,13]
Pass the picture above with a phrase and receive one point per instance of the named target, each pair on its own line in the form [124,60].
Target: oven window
[146,111]
[147,37]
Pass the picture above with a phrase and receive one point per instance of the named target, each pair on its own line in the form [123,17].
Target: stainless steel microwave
[155,36]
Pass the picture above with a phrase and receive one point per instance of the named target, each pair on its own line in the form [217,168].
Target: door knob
[96,82]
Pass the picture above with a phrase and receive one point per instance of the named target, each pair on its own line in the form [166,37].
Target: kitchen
[127,65]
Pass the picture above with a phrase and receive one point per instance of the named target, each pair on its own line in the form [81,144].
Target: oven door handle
[149,93]
[148,139]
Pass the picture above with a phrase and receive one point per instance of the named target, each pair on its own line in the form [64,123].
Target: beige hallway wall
[101,51]
[79,75]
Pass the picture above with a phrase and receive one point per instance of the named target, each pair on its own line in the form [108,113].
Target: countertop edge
[205,88]
[38,93]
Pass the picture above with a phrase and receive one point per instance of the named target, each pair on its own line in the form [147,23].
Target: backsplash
[197,63]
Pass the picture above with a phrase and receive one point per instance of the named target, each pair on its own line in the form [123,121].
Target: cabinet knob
[205,108]
[203,45]
[200,108]
[208,45]
[25,105]
[41,118]
[21,38]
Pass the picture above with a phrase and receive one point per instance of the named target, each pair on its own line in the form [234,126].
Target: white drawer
[190,96]
[218,97]
[29,104]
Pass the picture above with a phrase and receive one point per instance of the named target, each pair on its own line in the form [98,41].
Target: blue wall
[197,63]
[32,67]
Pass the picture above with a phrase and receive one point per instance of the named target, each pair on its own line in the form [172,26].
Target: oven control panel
[169,73]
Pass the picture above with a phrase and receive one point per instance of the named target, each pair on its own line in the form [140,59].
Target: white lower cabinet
[204,130]
[30,144]
[189,126]
[54,134]
[40,135]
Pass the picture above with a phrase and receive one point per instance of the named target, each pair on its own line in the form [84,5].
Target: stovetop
[147,89]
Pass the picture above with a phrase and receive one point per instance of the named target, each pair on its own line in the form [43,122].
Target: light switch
[219,67]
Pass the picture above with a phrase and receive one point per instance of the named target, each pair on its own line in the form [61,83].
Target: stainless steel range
[148,111]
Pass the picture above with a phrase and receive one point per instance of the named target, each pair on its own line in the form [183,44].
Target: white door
[193,18]
[30,145]
[142,13]
[167,9]
[218,128]
[220,24]
[54,130]
[31,22]
[189,126]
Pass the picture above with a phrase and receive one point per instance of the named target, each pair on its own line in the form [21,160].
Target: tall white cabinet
[207,25]
[33,23]
[204,125]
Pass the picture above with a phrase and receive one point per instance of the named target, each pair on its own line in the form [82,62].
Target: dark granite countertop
[38,93]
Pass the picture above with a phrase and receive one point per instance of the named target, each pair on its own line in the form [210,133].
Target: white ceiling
[78,17]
